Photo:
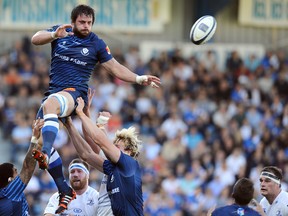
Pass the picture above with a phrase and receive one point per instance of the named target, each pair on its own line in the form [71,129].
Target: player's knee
[57,102]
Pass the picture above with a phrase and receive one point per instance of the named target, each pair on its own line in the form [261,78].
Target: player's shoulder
[94,37]
[55,196]
[283,197]
[263,201]
[92,192]
[220,210]
[231,209]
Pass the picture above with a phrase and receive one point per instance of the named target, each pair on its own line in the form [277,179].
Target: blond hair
[130,139]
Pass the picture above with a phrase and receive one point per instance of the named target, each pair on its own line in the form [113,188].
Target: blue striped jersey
[73,60]
[124,186]
[12,199]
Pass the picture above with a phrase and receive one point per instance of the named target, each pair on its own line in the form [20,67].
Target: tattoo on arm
[29,164]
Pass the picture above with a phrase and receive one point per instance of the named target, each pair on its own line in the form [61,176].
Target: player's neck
[272,197]
[81,191]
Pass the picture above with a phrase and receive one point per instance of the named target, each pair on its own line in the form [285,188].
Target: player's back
[235,210]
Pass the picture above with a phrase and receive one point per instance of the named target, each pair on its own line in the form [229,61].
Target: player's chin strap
[270,176]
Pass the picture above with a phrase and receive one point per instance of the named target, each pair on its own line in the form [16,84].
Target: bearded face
[78,179]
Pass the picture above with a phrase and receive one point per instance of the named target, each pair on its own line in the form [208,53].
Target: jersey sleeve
[126,164]
[52,28]
[52,204]
[104,53]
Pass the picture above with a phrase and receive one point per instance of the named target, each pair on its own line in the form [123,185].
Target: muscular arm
[119,71]
[29,162]
[83,148]
[123,73]
[86,110]
[44,37]
[28,166]
[41,38]
[97,135]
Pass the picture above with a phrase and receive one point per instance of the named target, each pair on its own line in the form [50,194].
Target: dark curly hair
[82,9]
[6,171]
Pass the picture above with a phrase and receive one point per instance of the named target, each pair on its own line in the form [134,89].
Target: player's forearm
[125,74]
[42,37]
[119,71]
[91,130]
[90,141]
[29,164]
[85,152]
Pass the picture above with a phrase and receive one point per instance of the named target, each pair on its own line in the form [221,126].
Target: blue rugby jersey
[235,210]
[124,186]
[73,60]
[12,199]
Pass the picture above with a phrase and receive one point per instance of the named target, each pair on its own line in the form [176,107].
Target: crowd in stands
[202,130]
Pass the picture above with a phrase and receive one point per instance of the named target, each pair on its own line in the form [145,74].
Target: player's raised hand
[80,106]
[90,95]
[148,80]
[36,127]
[61,31]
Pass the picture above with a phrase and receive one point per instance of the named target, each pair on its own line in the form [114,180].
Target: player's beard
[79,33]
[78,185]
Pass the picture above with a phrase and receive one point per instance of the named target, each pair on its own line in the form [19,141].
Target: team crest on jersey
[108,50]
[85,52]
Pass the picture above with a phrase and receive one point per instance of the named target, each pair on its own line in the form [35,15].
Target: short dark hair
[78,160]
[82,9]
[275,170]
[243,191]
[6,171]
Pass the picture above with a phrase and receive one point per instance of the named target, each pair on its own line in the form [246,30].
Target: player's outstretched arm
[84,150]
[29,162]
[123,73]
[98,136]
[44,37]
[86,110]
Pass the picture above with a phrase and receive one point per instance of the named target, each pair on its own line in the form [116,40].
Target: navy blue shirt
[12,199]
[124,186]
[235,210]
[73,60]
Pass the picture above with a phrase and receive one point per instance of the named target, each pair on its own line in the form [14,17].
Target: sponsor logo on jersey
[108,50]
[112,178]
[115,190]
[63,45]
[77,210]
[90,202]
[85,52]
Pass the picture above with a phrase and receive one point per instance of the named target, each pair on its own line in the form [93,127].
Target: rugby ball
[203,29]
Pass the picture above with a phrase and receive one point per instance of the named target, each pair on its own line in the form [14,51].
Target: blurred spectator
[196,120]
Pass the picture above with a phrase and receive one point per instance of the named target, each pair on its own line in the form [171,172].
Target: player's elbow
[35,40]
